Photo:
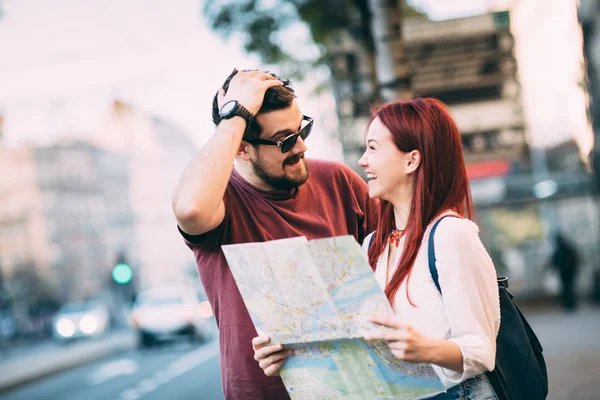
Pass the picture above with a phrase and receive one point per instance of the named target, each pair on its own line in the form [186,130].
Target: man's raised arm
[198,198]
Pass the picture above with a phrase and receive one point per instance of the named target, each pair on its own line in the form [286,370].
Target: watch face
[228,107]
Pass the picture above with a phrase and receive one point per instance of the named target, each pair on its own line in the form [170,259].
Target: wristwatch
[233,108]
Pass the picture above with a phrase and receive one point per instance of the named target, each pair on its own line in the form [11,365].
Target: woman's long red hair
[441,183]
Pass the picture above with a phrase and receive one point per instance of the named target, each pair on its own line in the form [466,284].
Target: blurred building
[1,123]
[513,82]
[589,16]
[64,213]
[468,63]
[69,211]
[20,212]
[158,152]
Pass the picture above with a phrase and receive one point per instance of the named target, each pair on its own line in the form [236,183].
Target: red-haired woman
[415,165]
[414,161]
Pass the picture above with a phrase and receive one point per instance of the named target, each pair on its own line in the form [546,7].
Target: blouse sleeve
[467,278]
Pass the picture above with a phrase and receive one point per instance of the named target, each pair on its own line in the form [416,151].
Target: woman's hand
[270,357]
[404,341]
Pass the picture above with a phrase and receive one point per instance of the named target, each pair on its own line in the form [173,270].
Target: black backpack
[520,372]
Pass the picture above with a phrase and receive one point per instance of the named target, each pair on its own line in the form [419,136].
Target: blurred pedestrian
[565,260]
[267,195]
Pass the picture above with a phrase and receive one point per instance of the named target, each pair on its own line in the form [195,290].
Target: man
[267,196]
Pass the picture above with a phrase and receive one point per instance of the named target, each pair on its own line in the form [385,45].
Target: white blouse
[469,311]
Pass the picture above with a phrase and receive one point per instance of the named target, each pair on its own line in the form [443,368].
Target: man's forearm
[202,185]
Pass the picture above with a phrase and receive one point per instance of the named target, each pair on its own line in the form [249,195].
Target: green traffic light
[122,273]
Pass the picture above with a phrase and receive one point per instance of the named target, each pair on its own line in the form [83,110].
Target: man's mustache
[293,159]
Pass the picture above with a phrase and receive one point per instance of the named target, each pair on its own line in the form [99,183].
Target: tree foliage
[261,24]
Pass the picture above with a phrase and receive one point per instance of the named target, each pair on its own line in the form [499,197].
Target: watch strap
[240,111]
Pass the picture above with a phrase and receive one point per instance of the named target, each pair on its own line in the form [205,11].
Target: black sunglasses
[288,142]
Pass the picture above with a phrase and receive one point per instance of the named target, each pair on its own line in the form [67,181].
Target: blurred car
[80,320]
[167,312]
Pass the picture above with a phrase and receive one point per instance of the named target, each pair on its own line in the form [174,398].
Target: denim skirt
[476,388]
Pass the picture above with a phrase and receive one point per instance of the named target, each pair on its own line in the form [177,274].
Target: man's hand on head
[248,88]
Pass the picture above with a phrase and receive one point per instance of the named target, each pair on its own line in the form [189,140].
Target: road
[183,371]
[172,371]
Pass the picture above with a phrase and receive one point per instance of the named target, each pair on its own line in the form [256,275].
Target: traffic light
[122,273]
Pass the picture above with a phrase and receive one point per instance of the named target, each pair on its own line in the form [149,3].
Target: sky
[447,9]
[63,62]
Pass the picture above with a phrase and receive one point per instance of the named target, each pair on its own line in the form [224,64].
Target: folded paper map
[314,297]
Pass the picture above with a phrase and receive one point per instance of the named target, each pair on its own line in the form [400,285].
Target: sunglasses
[288,142]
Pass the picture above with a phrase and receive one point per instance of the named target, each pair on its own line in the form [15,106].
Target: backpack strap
[431,253]
[371,240]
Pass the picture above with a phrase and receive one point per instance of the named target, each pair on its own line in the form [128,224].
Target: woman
[415,166]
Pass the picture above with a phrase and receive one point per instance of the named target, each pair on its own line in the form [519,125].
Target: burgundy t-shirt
[334,201]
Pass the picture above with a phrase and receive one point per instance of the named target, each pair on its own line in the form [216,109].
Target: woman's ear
[413,160]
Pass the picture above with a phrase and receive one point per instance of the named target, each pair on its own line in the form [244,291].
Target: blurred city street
[183,371]
[25,362]
[572,349]
[104,104]
[177,370]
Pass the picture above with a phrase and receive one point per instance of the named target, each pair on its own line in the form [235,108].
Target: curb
[29,368]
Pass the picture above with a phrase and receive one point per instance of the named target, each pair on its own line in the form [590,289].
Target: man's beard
[282,182]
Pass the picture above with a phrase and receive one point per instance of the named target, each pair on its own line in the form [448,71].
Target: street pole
[391,63]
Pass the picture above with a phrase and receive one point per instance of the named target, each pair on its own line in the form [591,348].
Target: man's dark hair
[276,98]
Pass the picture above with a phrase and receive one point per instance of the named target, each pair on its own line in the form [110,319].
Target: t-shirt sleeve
[213,239]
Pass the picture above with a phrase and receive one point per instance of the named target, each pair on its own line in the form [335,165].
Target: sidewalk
[26,365]
[571,345]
